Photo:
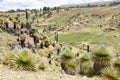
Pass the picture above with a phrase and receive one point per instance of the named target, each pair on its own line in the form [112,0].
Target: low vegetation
[24,60]
[67,55]
[42,66]
[102,59]
[80,42]
[110,73]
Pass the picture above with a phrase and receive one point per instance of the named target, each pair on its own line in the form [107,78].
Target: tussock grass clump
[24,60]
[72,64]
[102,53]
[86,67]
[91,72]
[67,61]
[102,56]
[110,73]
[8,58]
[67,55]
[85,58]
[101,59]
[42,66]
[33,29]
[117,63]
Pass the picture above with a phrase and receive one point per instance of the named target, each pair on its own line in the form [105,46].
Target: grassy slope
[67,17]
[96,36]
[60,18]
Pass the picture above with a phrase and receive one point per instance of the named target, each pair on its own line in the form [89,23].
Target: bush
[102,59]
[110,73]
[33,29]
[8,58]
[72,64]
[117,63]
[86,67]
[102,56]
[24,60]
[67,55]
[91,72]
[85,58]
[102,53]
[42,66]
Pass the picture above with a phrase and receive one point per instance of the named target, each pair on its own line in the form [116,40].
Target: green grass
[93,36]
[77,37]
[110,73]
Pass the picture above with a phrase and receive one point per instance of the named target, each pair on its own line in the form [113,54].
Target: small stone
[69,72]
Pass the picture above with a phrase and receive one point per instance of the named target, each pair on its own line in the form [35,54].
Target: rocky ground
[7,74]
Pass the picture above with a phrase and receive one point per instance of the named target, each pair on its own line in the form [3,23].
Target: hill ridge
[92,4]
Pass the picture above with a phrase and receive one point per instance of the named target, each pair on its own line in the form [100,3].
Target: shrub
[110,73]
[36,35]
[91,72]
[101,56]
[66,60]
[67,55]
[85,68]
[33,29]
[42,66]
[117,63]
[8,59]
[102,53]
[101,59]
[24,60]
[85,58]
[72,64]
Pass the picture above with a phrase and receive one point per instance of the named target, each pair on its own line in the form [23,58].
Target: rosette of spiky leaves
[24,60]
[110,73]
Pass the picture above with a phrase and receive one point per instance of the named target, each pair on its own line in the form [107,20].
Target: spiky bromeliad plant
[110,73]
[101,59]
[24,60]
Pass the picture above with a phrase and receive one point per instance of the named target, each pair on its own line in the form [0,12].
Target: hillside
[76,19]
[94,4]
[60,44]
